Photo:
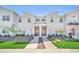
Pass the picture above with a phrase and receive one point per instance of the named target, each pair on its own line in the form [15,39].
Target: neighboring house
[11,23]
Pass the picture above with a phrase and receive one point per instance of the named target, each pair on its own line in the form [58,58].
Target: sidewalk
[39,50]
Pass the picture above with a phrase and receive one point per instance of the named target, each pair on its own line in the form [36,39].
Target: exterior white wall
[55,25]
[69,17]
[3,24]
[25,25]
[52,27]
[3,13]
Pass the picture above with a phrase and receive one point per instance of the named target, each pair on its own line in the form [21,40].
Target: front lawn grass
[71,44]
[13,45]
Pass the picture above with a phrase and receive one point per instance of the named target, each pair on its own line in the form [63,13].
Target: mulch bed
[41,44]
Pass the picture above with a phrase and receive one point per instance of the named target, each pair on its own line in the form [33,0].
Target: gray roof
[73,23]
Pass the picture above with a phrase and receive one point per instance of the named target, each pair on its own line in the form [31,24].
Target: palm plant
[12,29]
[61,31]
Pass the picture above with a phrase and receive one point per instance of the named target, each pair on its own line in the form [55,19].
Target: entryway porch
[40,30]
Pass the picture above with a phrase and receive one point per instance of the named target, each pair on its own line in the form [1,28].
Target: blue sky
[42,9]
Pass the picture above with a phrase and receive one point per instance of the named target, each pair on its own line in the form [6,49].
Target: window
[20,20]
[43,19]
[61,20]
[51,20]
[37,19]
[6,18]
[3,31]
[73,16]
[29,19]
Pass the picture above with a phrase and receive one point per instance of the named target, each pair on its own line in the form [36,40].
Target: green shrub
[7,35]
[20,34]
[73,40]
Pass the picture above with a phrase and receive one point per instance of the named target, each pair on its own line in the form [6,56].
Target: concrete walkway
[48,44]
[33,44]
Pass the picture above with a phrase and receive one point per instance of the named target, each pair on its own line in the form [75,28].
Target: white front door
[44,31]
[36,30]
[40,30]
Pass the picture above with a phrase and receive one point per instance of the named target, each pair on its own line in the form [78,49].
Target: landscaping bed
[12,45]
[67,44]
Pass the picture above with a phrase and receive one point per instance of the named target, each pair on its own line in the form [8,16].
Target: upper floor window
[6,18]
[20,20]
[43,19]
[37,19]
[73,16]
[51,20]
[29,19]
[61,20]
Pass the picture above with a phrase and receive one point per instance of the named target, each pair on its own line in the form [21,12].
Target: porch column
[33,30]
[39,31]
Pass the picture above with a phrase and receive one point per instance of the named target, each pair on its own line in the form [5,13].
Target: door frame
[40,30]
[36,31]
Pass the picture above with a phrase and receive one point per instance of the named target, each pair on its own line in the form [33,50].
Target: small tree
[61,31]
[12,29]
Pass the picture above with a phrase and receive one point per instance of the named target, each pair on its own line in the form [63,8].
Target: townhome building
[27,24]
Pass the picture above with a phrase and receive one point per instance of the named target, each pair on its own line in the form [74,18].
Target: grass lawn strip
[12,45]
[66,44]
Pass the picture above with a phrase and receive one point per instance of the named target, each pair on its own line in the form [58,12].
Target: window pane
[61,20]
[6,18]
[29,21]
[37,19]
[43,19]
[73,16]
[19,20]
[3,18]
[51,20]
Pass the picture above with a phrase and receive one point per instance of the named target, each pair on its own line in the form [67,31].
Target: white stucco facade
[29,24]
